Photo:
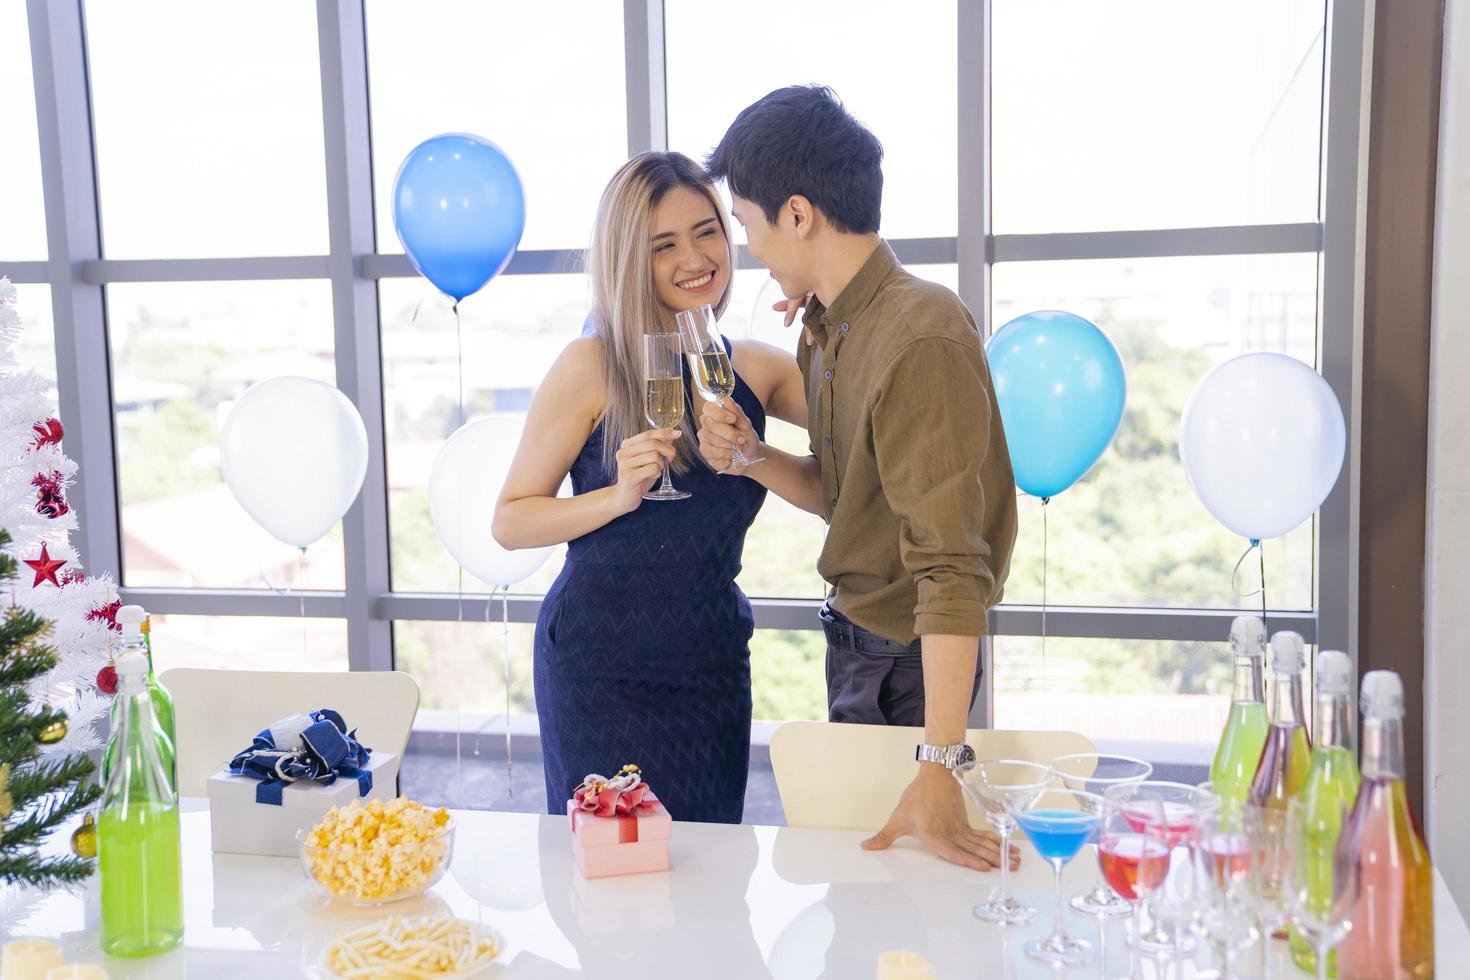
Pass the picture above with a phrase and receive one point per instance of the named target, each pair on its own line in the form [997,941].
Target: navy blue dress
[642,645]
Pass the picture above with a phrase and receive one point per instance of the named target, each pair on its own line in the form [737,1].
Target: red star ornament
[45,567]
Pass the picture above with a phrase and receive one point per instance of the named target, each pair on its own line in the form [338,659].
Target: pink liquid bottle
[1287,754]
[1382,865]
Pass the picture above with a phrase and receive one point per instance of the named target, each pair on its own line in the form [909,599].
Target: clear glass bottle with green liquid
[163,702]
[1331,788]
[1245,729]
[138,829]
[131,619]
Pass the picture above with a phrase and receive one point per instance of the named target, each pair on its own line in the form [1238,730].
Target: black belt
[844,634]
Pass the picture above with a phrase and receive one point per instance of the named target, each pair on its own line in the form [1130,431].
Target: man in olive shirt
[908,460]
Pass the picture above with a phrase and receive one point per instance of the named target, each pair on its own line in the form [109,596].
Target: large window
[1152,166]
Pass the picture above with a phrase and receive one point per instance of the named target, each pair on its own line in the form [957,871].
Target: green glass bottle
[1330,789]
[131,619]
[163,702]
[138,830]
[1245,729]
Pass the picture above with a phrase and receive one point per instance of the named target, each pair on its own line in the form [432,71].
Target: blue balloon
[1061,388]
[459,211]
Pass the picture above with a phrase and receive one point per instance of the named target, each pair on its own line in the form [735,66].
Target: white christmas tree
[34,477]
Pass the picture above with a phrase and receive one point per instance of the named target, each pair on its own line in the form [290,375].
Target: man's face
[776,247]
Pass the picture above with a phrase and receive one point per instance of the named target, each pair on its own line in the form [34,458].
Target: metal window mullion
[358,348]
[1305,236]
[73,236]
[643,68]
[238,602]
[1347,77]
[26,272]
[973,252]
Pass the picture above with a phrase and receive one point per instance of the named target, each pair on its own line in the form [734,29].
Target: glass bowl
[361,876]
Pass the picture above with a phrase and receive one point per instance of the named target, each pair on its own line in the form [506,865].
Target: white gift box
[239,825]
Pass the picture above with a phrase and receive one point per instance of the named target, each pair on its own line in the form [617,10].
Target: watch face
[965,756]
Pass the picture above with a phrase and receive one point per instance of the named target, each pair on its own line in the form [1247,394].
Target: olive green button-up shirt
[920,497]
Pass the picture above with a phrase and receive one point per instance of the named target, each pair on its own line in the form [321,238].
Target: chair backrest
[218,712]
[849,777]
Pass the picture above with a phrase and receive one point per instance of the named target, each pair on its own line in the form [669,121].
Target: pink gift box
[604,846]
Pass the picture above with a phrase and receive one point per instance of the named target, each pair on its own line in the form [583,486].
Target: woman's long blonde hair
[624,304]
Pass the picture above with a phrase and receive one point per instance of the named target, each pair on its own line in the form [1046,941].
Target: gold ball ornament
[53,733]
[84,840]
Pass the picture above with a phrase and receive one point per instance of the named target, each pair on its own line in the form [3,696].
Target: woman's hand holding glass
[641,460]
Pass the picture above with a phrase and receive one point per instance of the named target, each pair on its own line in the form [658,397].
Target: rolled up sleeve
[931,431]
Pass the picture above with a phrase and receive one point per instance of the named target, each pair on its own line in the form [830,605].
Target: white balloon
[294,452]
[1262,442]
[466,479]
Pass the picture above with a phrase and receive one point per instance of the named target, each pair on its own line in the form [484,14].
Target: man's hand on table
[933,811]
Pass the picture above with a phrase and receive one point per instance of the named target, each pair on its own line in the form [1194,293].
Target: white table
[740,902]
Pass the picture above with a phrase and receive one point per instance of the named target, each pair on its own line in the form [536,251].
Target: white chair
[849,777]
[218,712]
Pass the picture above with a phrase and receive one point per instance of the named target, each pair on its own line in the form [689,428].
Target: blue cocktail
[1058,823]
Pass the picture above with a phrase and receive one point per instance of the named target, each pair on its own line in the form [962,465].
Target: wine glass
[1143,824]
[1265,830]
[1095,773]
[1058,823]
[1314,894]
[709,366]
[663,396]
[992,784]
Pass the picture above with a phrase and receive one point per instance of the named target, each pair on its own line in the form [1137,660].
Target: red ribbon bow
[608,799]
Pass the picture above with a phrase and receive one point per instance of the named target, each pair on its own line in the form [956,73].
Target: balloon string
[459,347]
[1045,540]
[505,654]
[301,597]
[1255,545]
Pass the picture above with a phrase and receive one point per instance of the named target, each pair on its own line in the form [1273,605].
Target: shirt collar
[855,296]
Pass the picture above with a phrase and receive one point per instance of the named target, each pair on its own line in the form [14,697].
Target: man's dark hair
[800,140]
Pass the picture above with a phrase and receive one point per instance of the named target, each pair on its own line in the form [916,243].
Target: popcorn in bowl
[372,851]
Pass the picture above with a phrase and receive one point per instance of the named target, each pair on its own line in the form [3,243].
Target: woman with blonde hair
[642,644]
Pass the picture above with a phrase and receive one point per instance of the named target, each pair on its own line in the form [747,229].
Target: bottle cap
[1286,652]
[1334,673]
[130,618]
[1383,694]
[132,665]
[1248,635]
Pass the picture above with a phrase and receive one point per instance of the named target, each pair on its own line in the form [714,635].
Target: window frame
[78,276]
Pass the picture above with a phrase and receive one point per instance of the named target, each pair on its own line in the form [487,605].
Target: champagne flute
[997,786]
[663,396]
[1265,830]
[1096,773]
[709,366]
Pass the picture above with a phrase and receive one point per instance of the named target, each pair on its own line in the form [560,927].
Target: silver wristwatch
[949,756]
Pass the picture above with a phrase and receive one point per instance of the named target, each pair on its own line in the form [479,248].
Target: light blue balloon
[459,211]
[1061,388]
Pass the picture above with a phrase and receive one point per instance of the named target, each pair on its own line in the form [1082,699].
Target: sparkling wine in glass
[709,366]
[663,396]
[1095,773]
[998,787]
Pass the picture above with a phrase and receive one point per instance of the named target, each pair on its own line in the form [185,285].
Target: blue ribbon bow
[323,751]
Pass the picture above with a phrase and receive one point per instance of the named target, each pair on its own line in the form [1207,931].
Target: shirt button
[844,326]
[829,374]
[834,503]
[827,441]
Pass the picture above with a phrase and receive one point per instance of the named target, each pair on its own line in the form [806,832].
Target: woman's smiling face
[691,255]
